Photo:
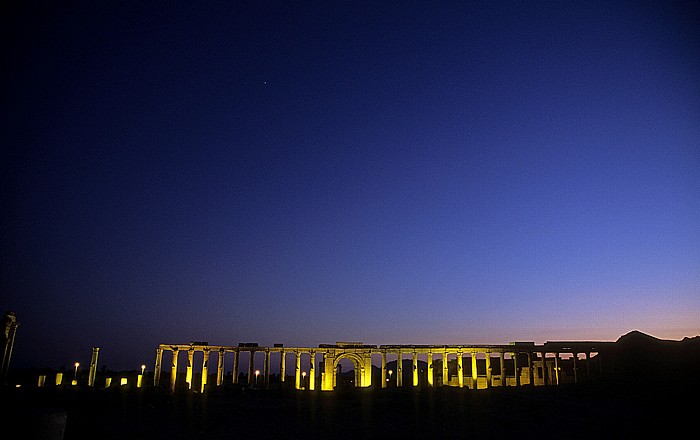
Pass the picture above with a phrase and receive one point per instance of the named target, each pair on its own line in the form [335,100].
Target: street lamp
[303,378]
[390,373]
[257,373]
[143,367]
[75,377]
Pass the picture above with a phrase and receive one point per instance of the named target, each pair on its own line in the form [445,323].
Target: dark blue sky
[308,172]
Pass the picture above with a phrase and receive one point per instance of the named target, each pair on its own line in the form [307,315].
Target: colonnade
[538,369]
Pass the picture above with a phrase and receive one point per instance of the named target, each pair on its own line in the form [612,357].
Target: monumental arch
[514,364]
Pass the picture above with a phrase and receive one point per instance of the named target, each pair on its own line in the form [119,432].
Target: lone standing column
[93,366]
[283,366]
[488,369]
[312,371]
[173,370]
[297,370]
[430,369]
[415,369]
[445,372]
[503,368]
[399,369]
[383,369]
[220,368]
[267,368]
[460,371]
[156,370]
[190,359]
[205,370]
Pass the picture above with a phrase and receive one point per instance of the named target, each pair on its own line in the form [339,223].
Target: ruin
[527,363]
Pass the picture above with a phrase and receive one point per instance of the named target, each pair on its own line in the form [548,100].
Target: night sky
[313,172]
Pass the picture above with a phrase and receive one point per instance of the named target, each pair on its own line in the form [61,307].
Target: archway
[358,367]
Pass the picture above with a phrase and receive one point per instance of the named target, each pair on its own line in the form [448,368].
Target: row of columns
[220,367]
[555,380]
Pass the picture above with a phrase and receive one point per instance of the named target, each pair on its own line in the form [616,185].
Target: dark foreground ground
[597,411]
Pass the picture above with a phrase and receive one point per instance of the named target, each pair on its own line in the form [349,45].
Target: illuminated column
[575,367]
[93,367]
[556,367]
[283,366]
[173,370]
[251,368]
[399,369]
[475,375]
[312,371]
[445,372]
[297,370]
[267,368]
[235,366]
[503,368]
[156,370]
[515,368]
[488,369]
[415,369]
[430,369]
[188,377]
[205,369]
[530,373]
[383,369]
[220,368]
[460,371]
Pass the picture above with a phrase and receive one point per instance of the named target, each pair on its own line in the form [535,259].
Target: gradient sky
[309,172]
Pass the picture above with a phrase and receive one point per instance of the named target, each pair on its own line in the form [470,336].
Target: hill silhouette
[638,357]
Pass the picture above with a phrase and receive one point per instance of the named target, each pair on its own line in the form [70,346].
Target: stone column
[267,368]
[588,370]
[556,367]
[220,368]
[460,370]
[475,371]
[156,370]
[190,358]
[173,370]
[574,359]
[501,357]
[488,369]
[251,368]
[93,366]
[445,372]
[430,369]
[312,371]
[283,366]
[383,369]
[297,370]
[399,369]
[530,372]
[415,369]
[515,368]
[235,366]
[205,369]
[544,368]
[9,330]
